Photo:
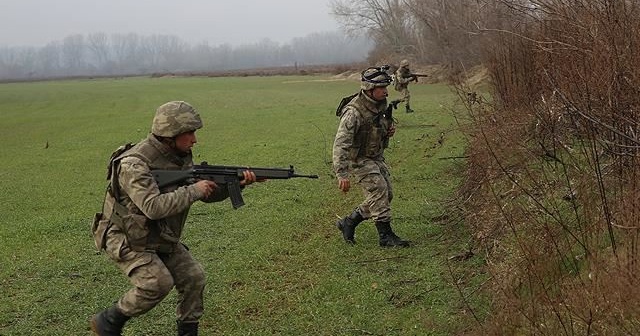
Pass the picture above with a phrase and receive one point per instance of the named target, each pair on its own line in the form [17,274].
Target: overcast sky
[38,22]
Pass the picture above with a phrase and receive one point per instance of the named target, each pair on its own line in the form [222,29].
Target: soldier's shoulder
[351,112]
[132,160]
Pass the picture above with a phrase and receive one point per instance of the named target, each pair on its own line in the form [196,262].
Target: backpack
[119,151]
[101,221]
[344,102]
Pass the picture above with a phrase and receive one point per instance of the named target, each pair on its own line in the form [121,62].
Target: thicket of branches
[553,175]
[100,54]
[552,191]
[427,31]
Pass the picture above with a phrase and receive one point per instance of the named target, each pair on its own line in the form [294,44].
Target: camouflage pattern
[358,152]
[141,230]
[174,118]
[153,275]
[377,191]
[402,80]
[368,81]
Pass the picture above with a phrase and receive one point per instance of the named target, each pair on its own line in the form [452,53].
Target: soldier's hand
[249,178]
[391,131]
[344,184]
[206,187]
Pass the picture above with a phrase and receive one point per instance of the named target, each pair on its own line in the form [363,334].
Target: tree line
[101,54]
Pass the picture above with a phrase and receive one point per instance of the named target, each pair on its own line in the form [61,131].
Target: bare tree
[386,21]
[162,51]
[49,60]
[98,44]
[126,50]
[73,53]
[448,29]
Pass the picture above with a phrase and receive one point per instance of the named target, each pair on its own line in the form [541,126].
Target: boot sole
[395,245]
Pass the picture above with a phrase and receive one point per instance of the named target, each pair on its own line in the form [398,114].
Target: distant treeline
[100,54]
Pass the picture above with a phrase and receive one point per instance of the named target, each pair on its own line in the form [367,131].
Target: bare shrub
[553,184]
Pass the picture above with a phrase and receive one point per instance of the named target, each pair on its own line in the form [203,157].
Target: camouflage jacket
[402,78]
[151,218]
[361,138]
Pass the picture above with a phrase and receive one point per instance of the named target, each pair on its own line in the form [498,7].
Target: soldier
[403,78]
[358,150]
[141,225]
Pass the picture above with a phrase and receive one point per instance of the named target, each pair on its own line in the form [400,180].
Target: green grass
[276,266]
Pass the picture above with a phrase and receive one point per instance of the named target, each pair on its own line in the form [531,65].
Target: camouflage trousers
[406,96]
[378,193]
[153,275]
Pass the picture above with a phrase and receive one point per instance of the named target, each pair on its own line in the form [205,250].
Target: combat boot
[409,110]
[109,322]
[387,237]
[187,328]
[348,226]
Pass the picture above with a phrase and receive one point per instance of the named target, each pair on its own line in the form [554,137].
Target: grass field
[276,266]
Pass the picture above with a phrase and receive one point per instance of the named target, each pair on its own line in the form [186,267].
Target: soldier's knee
[197,278]
[159,287]
[377,183]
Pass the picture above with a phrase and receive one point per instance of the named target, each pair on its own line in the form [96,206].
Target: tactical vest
[401,75]
[141,232]
[371,138]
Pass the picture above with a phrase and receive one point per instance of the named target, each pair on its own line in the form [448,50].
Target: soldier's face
[379,93]
[185,141]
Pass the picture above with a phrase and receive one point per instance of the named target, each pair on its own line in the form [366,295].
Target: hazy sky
[37,22]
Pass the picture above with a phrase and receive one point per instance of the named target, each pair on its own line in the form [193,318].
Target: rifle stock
[229,176]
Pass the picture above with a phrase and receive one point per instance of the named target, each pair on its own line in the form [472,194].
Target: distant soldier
[403,78]
[362,136]
[140,225]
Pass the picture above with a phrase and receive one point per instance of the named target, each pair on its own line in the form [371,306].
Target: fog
[66,38]
[236,22]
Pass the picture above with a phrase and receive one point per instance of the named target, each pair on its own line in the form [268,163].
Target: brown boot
[109,322]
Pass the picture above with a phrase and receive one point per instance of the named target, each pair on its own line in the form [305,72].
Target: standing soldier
[403,78]
[140,225]
[358,149]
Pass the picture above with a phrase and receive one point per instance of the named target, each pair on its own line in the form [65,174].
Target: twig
[381,259]
[454,157]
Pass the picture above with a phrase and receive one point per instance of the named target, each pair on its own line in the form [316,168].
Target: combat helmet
[175,117]
[375,77]
[404,63]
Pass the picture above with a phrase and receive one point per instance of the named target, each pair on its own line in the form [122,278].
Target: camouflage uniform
[358,152]
[402,79]
[141,225]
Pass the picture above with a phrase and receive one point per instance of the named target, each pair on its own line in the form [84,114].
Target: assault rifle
[415,76]
[388,113]
[228,176]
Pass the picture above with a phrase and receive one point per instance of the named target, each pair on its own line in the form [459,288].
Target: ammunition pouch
[99,228]
[134,226]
